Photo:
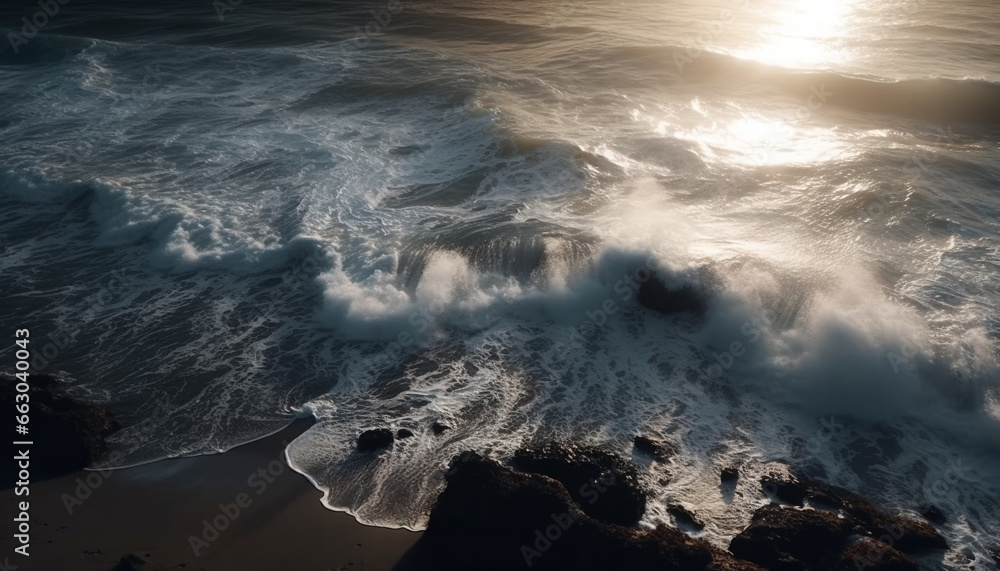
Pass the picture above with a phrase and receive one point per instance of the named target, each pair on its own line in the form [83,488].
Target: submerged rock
[605,485]
[439,427]
[74,432]
[653,294]
[404,433]
[933,514]
[375,439]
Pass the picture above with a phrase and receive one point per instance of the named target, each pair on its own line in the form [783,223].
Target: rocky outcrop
[848,532]
[603,484]
[794,539]
[537,513]
[787,489]
[868,553]
[904,533]
[74,432]
[493,517]
[788,539]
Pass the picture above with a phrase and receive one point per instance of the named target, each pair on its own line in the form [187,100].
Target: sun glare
[804,34]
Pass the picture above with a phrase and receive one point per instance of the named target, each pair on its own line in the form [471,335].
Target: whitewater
[442,214]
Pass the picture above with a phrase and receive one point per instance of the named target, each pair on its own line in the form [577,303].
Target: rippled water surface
[441,214]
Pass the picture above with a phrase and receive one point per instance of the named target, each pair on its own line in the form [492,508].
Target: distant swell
[962,101]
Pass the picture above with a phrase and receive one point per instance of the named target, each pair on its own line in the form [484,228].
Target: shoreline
[242,509]
[248,509]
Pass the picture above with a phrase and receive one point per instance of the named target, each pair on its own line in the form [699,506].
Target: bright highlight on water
[442,212]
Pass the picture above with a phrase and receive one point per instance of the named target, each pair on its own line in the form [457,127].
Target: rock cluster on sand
[544,511]
[74,432]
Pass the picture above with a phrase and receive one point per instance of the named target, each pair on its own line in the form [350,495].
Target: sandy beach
[672,285]
[155,510]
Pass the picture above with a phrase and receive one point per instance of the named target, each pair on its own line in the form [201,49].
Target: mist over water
[442,213]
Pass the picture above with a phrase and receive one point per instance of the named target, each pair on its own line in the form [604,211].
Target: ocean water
[390,214]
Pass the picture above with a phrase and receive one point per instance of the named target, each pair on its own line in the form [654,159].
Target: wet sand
[154,510]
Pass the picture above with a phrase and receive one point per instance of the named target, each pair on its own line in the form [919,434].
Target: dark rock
[439,428]
[130,562]
[869,554]
[786,489]
[494,518]
[903,533]
[404,433]
[933,514]
[653,294]
[656,448]
[684,516]
[730,474]
[74,431]
[375,439]
[605,485]
[789,539]
[908,535]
